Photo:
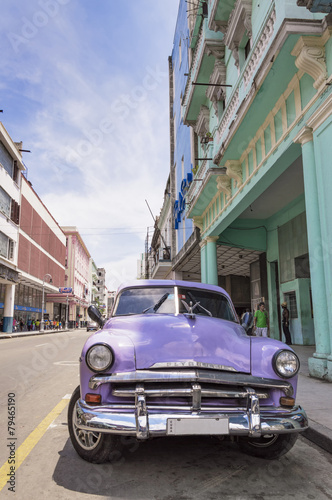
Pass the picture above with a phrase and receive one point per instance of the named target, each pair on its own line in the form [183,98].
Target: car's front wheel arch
[95,447]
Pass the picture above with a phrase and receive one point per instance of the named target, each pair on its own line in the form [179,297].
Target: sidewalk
[314,395]
[36,332]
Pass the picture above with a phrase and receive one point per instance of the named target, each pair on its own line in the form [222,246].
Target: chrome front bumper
[144,423]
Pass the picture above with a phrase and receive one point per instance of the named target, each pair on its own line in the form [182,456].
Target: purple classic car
[173,360]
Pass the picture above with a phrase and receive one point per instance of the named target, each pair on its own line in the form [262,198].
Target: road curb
[33,334]
[319,434]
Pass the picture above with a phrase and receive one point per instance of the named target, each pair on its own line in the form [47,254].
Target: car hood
[171,340]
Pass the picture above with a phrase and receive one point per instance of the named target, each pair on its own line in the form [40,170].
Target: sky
[84,85]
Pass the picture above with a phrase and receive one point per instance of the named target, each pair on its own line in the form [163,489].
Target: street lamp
[42,319]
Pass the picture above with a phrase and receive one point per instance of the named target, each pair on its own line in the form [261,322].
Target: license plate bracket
[197,426]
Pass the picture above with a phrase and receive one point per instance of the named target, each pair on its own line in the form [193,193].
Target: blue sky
[84,85]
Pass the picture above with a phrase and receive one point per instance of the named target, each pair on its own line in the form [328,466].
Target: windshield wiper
[197,304]
[158,304]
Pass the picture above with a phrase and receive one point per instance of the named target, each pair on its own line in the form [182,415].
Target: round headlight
[99,357]
[285,363]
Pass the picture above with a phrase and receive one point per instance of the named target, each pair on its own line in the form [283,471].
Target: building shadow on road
[164,468]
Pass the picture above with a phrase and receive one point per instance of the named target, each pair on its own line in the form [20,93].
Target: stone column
[211,254]
[203,262]
[8,313]
[318,363]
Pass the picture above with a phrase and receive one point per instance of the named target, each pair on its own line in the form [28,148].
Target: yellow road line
[27,446]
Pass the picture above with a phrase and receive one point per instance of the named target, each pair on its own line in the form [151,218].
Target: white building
[11,166]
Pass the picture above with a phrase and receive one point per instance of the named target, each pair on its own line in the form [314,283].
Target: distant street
[42,372]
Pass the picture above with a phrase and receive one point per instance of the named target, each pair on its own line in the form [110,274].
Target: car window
[138,300]
[208,303]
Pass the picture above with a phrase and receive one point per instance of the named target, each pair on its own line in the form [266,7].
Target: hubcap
[264,441]
[88,440]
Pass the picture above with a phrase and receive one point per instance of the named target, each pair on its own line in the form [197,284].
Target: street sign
[65,290]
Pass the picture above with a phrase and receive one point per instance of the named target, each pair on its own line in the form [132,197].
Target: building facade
[258,100]
[184,153]
[77,277]
[101,296]
[11,166]
[41,261]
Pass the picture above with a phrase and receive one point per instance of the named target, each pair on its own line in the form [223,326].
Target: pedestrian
[261,321]
[33,325]
[21,325]
[29,324]
[285,323]
[246,321]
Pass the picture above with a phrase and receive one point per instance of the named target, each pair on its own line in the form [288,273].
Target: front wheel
[270,446]
[95,447]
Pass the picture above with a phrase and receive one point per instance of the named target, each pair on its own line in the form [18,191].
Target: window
[6,246]
[15,212]
[5,202]
[290,298]
[302,266]
[6,160]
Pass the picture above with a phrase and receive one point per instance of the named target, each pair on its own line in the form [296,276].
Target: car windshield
[162,300]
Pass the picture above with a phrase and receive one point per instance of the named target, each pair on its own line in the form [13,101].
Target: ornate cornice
[224,185]
[198,221]
[310,58]
[260,48]
[305,135]
[239,23]
[215,93]
[202,124]
[214,48]
[234,170]
[229,113]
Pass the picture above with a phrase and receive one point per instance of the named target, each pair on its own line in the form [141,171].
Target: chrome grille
[195,396]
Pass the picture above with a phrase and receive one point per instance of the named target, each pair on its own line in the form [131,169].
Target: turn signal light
[93,399]
[287,401]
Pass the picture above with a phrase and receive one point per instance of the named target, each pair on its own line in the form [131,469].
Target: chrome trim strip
[193,364]
[187,393]
[276,421]
[185,375]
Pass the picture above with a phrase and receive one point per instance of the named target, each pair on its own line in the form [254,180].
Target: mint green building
[259,99]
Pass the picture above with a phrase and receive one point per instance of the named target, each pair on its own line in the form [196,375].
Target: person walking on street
[285,323]
[261,321]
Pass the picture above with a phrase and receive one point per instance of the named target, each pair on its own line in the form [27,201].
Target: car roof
[164,283]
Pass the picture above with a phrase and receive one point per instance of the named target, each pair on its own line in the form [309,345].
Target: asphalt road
[41,372]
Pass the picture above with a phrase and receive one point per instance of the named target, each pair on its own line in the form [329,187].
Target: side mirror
[95,315]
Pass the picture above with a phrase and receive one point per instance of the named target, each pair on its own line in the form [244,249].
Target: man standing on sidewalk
[285,323]
[261,321]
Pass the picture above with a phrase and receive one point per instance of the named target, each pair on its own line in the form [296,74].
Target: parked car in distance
[91,326]
[174,360]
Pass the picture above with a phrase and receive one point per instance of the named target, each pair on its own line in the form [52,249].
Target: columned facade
[261,187]
[318,364]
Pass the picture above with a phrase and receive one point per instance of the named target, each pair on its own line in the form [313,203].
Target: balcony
[161,263]
[323,6]
[208,59]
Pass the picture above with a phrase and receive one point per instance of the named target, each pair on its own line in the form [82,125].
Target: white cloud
[94,111]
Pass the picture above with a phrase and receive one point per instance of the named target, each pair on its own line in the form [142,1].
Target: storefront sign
[180,204]
[65,290]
